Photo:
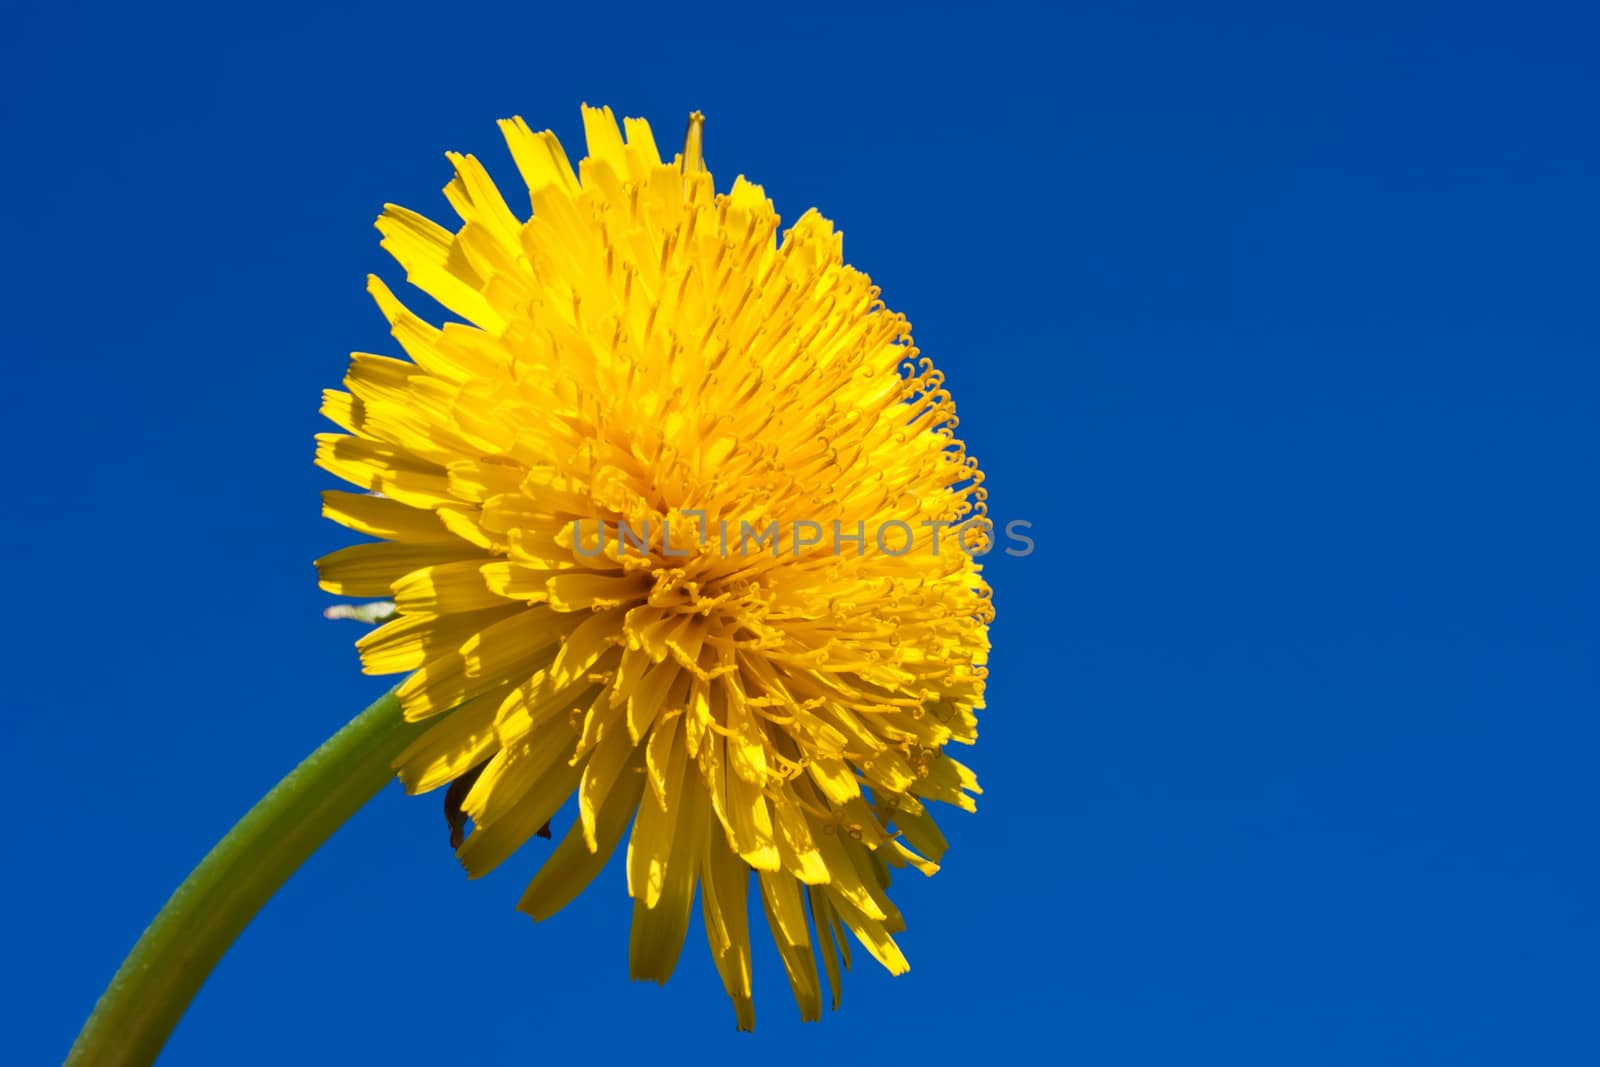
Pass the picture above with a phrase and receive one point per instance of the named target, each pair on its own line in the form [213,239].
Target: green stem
[166,968]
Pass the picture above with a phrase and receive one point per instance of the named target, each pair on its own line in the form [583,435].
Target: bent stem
[166,968]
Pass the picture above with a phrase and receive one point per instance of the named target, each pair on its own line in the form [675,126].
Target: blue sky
[1280,327]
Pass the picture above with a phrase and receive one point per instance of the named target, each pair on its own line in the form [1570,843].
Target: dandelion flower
[565,484]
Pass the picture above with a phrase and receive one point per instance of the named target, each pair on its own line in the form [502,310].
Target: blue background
[1280,326]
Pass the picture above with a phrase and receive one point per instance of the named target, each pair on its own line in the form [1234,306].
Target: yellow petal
[750,824]
[796,846]
[724,890]
[408,642]
[384,468]
[829,936]
[371,570]
[574,863]
[451,747]
[659,924]
[506,652]
[491,843]
[585,644]
[381,517]
[605,140]
[433,263]
[780,897]
[445,588]
[576,592]
[539,157]
[872,935]
[922,833]
[615,753]
[844,880]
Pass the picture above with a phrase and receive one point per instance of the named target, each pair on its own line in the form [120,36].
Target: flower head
[669,521]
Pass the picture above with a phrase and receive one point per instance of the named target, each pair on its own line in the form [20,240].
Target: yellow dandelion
[673,521]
